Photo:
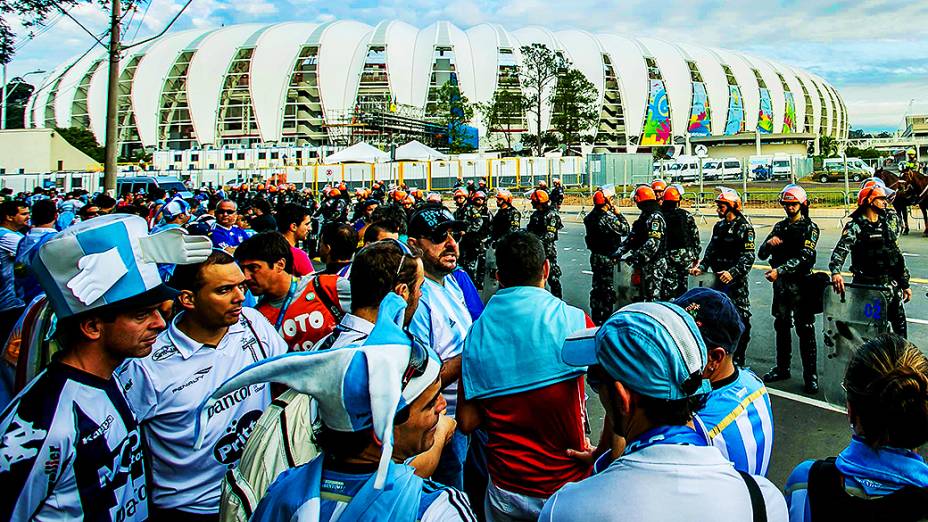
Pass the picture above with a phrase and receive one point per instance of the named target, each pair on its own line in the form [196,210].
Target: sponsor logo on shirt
[230,400]
[229,448]
[165,352]
[128,386]
[52,462]
[198,376]
[104,426]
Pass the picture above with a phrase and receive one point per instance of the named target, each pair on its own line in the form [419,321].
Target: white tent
[358,153]
[417,151]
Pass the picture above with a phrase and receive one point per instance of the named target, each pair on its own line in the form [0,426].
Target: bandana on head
[356,387]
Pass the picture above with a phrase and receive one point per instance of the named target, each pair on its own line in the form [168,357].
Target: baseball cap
[431,219]
[653,348]
[715,315]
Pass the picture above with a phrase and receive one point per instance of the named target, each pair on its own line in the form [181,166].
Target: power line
[88,31]
[142,21]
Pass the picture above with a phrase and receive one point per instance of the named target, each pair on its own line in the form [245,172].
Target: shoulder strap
[758,506]
[336,312]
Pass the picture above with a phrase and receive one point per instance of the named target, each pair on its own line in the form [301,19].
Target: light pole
[3,95]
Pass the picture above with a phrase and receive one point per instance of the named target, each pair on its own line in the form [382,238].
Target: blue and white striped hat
[653,348]
[111,259]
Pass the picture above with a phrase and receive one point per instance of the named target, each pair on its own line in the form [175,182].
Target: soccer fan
[226,235]
[879,476]
[210,340]
[262,221]
[737,416]
[442,319]
[14,218]
[646,364]
[379,405]
[517,388]
[293,221]
[44,215]
[337,245]
[302,309]
[71,447]
[378,231]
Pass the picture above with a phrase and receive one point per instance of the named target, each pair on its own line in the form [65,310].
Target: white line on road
[916,321]
[587,272]
[805,400]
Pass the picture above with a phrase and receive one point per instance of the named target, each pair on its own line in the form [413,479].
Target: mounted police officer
[730,254]
[545,223]
[875,256]
[605,227]
[473,245]
[682,243]
[646,246]
[791,249]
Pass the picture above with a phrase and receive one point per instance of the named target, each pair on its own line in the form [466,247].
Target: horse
[901,202]
[917,184]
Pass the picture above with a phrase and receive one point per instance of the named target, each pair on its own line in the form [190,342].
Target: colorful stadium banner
[789,117]
[735,122]
[765,115]
[657,121]
[699,117]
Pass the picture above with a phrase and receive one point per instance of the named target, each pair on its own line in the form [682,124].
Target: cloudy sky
[874,51]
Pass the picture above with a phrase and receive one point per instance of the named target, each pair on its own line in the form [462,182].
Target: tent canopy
[417,151]
[358,153]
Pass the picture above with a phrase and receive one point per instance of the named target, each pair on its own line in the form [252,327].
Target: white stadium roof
[74,93]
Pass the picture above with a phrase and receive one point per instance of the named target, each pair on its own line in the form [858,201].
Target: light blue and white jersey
[442,321]
[739,422]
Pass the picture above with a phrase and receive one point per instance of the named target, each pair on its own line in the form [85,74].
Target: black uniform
[557,196]
[507,219]
[682,250]
[333,209]
[731,249]
[875,260]
[545,223]
[793,259]
[473,244]
[604,232]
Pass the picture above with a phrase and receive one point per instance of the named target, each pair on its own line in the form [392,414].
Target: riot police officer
[659,186]
[646,245]
[334,207]
[605,227]
[378,192]
[507,217]
[791,249]
[545,223]
[875,255]
[682,243]
[460,201]
[730,254]
[473,244]
[557,194]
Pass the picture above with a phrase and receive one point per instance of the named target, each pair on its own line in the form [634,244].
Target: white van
[782,168]
[684,170]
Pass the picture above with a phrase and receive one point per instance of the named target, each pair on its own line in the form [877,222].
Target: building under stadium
[331,84]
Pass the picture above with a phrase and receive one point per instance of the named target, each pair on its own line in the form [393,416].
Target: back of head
[394,215]
[262,205]
[520,259]
[887,392]
[44,212]
[269,247]
[376,270]
[290,214]
[379,230]
[342,240]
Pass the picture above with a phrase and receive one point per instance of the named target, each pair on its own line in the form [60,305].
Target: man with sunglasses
[791,249]
[210,340]
[442,319]
[226,235]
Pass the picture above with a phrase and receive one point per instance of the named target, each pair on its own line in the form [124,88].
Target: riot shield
[627,284]
[706,279]
[848,321]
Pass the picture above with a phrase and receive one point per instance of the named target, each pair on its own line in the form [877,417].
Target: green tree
[575,107]
[537,76]
[17,97]
[827,146]
[502,114]
[454,111]
[83,140]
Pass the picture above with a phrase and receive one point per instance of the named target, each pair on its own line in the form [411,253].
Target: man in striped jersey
[737,416]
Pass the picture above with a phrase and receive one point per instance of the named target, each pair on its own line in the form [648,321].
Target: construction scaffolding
[383,124]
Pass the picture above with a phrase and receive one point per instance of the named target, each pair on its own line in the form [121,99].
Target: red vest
[311,315]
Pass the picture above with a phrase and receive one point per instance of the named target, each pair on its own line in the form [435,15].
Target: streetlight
[3,95]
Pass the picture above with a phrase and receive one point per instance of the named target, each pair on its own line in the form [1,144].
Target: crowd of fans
[206,369]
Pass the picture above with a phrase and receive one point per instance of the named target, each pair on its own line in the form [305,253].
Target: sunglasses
[418,359]
[221,211]
[404,250]
[443,235]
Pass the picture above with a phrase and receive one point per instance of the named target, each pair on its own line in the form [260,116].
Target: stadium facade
[312,84]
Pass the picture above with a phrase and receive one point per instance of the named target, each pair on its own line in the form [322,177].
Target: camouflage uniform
[557,196]
[731,249]
[604,231]
[473,244]
[545,223]
[875,260]
[334,209]
[793,259]
[647,243]
[682,251]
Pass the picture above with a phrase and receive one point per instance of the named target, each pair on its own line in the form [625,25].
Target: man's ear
[714,358]
[402,290]
[412,241]
[624,397]
[546,271]
[187,299]
[280,265]
[92,328]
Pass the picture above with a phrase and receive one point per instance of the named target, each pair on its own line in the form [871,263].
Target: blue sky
[874,51]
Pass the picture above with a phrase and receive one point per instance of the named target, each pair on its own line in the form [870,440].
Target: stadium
[332,84]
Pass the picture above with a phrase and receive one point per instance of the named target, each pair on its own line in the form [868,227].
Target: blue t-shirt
[739,422]
[227,237]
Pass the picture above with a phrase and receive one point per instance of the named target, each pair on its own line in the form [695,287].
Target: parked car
[146,183]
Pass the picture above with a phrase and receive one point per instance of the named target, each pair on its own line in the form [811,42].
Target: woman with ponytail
[879,476]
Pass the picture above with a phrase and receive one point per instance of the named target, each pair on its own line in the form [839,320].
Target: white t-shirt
[442,321]
[165,390]
[661,483]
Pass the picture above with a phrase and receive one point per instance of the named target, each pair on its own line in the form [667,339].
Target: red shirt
[308,318]
[529,435]
[301,262]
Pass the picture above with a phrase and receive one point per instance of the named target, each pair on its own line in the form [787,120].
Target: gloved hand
[99,272]
[175,246]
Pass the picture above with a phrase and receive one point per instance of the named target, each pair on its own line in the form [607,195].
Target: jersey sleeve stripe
[714,432]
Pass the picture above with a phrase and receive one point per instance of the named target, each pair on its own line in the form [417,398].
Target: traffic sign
[701,151]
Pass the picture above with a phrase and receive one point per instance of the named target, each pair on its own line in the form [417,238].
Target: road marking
[587,272]
[911,255]
[916,321]
[916,280]
[805,400]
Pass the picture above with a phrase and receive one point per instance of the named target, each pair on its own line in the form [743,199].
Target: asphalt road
[803,428]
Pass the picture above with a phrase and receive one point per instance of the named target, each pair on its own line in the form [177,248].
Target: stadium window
[240,156]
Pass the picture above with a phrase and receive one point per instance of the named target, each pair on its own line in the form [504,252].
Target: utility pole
[3,107]
[112,103]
